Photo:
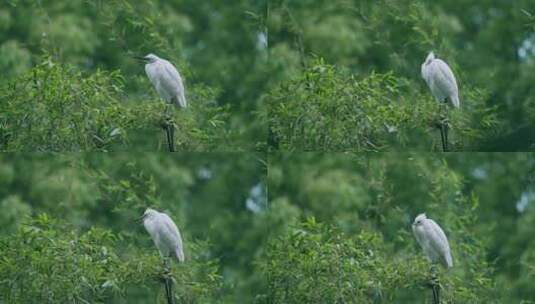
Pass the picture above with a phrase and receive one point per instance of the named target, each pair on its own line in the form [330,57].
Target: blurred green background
[218,47]
[342,224]
[292,228]
[217,200]
[342,102]
[278,75]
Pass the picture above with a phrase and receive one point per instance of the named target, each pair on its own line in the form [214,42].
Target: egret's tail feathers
[179,255]
[180,101]
[448,261]
[455,101]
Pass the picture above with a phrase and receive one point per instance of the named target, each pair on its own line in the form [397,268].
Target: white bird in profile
[440,80]
[166,79]
[432,240]
[164,233]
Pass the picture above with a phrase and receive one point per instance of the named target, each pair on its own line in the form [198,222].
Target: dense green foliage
[345,106]
[213,45]
[335,228]
[331,267]
[325,109]
[266,215]
[53,108]
[53,264]
[88,248]
[344,229]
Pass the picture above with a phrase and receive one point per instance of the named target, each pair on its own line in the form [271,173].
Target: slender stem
[446,135]
[443,137]
[169,128]
[443,116]
[436,298]
[435,286]
[170,136]
[168,284]
[172,131]
[169,291]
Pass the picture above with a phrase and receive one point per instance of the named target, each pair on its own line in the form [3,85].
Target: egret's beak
[139,220]
[141,58]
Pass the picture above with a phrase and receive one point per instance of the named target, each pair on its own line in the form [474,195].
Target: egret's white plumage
[166,80]
[164,233]
[432,240]
[440,79]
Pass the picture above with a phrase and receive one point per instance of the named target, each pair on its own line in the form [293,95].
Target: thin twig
[168,125]
[443,116]
[436,298]
[169,291]
[446,134]
[435,286]
[168,284]
[443,137]
[170,136]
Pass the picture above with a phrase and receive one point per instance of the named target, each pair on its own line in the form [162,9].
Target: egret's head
[419,219]
[430,57]
[150,58]
[149,212]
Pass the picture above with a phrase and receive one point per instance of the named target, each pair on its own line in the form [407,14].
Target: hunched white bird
[164,233]
[165,79]
[432,240]
[440,80]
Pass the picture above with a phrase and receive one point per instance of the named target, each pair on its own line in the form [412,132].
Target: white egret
[168,84]
[441,81]
[164,233]
[435,246]
[432,240]
[167,239]
[165,79]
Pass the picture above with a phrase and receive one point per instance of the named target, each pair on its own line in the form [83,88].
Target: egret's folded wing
[172,233]
[447,79]
[174,82]
[171,70]
[172,74]
[440,242]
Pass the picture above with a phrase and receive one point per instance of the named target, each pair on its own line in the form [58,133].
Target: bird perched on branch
[165,79]
[441,81]
[168,83]
[432,240]
[436,247]
[164,233]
